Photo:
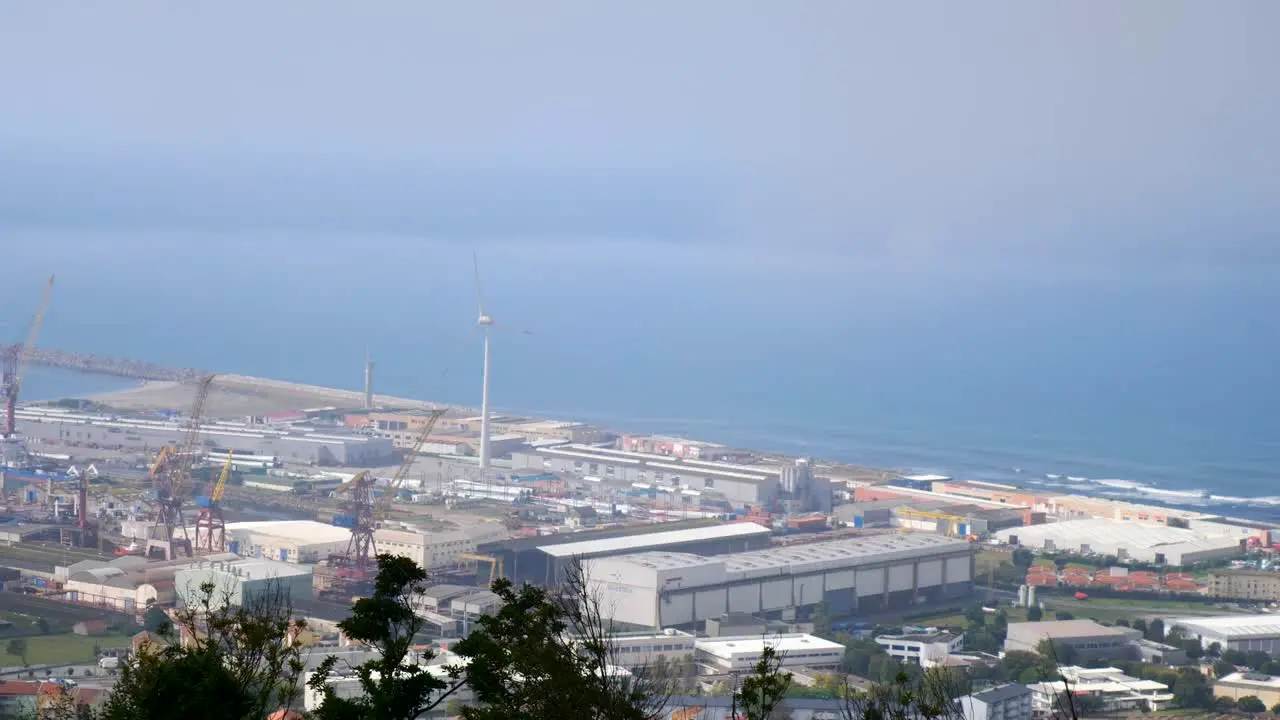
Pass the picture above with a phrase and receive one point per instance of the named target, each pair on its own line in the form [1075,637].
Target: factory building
[856,575]
[240,581]
[295,445]
[437,549]
[1086,636]
[1233,632]
[541,560]
[637,650]
[295,541]
[755,485]
[125,584]
[1151,543]
[734,655]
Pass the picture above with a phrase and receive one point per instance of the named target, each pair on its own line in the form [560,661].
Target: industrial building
[864,574]
[297,541]
[126,584]
[1086,636]
[437,549]
[636,650]
[1005,702]
[1233,632]
[1150,543]
[730,655]
[1249,684]
[541,560]
[1117,692]
[239,581]
[290,444]
[794,486]
[924,649]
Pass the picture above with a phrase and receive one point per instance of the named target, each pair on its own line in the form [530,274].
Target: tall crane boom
[406,464]
[15,361]
[172,477]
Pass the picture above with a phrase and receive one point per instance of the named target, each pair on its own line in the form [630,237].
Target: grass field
[65,649]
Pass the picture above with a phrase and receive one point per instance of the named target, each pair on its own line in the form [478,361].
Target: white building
[924,649]
[437,549]
[867,574]
[348,686]
[240,580]
[645,649]
[1118,692]
[1160,544]
[296,541]
[1007,702]
[723,656]
[1234,632]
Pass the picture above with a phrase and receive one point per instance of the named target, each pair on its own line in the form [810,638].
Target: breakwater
[103,365]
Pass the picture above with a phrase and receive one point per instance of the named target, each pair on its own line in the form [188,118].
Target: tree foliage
[394,685]
[761,694]
[549,655]
[18,648]
[222,661]
[1250,704]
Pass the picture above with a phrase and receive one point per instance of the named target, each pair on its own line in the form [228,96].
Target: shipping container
[344,520]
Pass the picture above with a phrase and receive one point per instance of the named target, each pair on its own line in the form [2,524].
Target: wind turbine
[484,322]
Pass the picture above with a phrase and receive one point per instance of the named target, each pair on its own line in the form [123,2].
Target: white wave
[1073,478]
[1051,476]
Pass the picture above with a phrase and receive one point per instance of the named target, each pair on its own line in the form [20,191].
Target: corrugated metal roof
[1233,626]
[672,537]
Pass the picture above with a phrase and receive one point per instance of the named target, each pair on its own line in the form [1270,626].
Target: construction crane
[211,529]
[15,362]
[364,514]
[170,479]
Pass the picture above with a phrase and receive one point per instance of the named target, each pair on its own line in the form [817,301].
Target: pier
[118,367]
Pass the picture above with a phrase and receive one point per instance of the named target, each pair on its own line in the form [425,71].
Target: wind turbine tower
[368,381]
[485,323]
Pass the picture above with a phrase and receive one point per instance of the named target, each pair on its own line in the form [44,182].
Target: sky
[921,135]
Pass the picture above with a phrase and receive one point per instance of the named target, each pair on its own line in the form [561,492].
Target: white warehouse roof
[1232,626]
[727,647]
[798,559]
[1105,535]
[302,531]
[671,537]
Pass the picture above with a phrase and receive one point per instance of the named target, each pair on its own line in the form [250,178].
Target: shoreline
[241,395]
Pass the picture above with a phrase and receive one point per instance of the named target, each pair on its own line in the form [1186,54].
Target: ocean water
[1157,383]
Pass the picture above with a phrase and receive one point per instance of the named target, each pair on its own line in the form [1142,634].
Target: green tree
[1192,647]
[42,625]
[1141,626]
[550,655]
[1223,668]
[1275,709]
[1250,704]
[1214,649]
[1122,622]
[1059,653]
[1256,659]
[1155,630]
[1023,558]
[1191,690]
[1034,613]
[1030,675]
[155,620]
[976,616]
[394,685]
[930,695]
[238,662]
[761,693]
[18,648]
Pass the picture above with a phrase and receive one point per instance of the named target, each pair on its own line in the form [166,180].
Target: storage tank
[1031,596]
[1023,594]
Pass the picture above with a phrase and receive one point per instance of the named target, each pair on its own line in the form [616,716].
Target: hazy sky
[932,132]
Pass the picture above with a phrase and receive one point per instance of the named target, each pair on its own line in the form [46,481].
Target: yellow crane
[15,362]
[211,529]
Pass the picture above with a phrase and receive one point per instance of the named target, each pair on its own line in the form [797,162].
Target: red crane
[15,361]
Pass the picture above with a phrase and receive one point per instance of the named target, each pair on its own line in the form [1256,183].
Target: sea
[1153,382]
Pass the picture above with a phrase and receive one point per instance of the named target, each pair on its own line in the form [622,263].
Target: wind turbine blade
[475,267]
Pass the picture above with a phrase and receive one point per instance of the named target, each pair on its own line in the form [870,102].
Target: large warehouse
[540,560]
[299,541]
[1160,544]
[740,484]
[299,446]
[235,581]
[867,574]
[1234,632]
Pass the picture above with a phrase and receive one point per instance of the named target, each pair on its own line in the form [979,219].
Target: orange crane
[211,529]
[15,362]
[170,479]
